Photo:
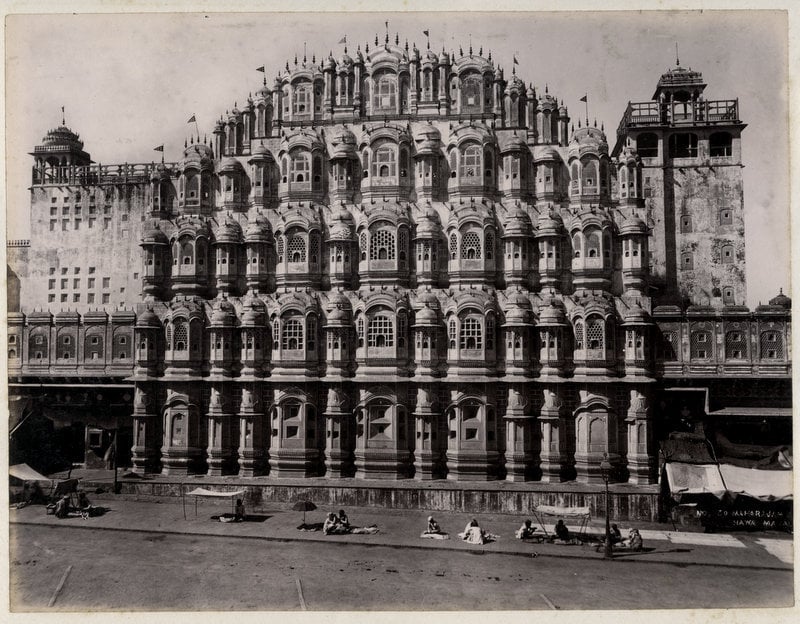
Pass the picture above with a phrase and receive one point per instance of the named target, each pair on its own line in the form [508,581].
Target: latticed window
[669,345]
[181,336]
[453,246]
[169,336]
[700,345]
[384,163]
[360,330]
[314,240]
[451,333]
[471,246]
[771,345]
[402,246]
[382,245]
[595,334]
[380,332]
[311,333]
[279,240]
[276,332]
[297,249]
[301,168]
[490,332]
[385,95]
[292,336]
[489,245]
[362,244]
[423,250]
[470,162]
[402,326]
[735,345]
[579,334]
[471,333]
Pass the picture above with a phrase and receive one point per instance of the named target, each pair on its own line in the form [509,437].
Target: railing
[95,174]
[18,242]
[677,113]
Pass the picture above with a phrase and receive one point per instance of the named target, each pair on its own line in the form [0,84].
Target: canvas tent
[205,493]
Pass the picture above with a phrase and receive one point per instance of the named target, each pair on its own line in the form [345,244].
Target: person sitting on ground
[344,521]
[473,533]
[525,531]
[616,535]
[330,524]
[433,526]
[239,513]
[62,507]
[635,541]
[84,506]
[561,531]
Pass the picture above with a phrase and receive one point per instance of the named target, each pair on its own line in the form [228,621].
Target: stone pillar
[252,439]
[220,439]
[427,450]
[338,429]
[146,431]
[595,436]
[555,461]
[519,438]
[642,462]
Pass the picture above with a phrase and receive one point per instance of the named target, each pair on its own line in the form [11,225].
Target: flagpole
[586,102]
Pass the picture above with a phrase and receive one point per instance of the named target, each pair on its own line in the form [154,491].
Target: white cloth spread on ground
[439,536]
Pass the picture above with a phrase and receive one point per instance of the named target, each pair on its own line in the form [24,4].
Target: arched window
[593,244]
[301,167]
[589,176]
[579,335]
[362,244]
[488,164]
[365,163]
[380,331]
[385,96]
[292,334]
[470,162]
[181,340]
[720,145]
[471,246]
[302,99]
[187,251]
[384,164]
[471,336]
[453,246]
[382,245]
[451,333]
[471,94]
[311,333]
[280,246]
[404,162]
[595,334]
[317,172]
[726,254]
[647,145]
[687,261]
[489,246]
[360,330]
[284,169]
[453,164]
[297,248]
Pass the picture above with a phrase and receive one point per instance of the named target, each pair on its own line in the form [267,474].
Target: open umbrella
[304,506]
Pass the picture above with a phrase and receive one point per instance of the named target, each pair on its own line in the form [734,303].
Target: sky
[130,82]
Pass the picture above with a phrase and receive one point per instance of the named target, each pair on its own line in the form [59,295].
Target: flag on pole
[427,33]
[584,98]
[516,62]
[192,119]
[160,148]
[261,69]
[343,39]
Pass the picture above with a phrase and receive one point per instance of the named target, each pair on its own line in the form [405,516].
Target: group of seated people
[64,506]
[632,542]
[340,525]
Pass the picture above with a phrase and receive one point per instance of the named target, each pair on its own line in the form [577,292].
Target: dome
[552,315]
[258,230]
[518,308]
[160,172]
[340,226]
[223,314]
[343,142]
[253,312]
[518,223]
[428,224]
[633,225]
[264,93]
[588,140]
[512,143]
[426,317]
[148,318]
[155,236]
[230,165]
[550,224]
[260,153]
[635,316]
[629,156]
[431,56]
[515,84]
[781,300]
[428,299]
[62,137]
[345,60]
[229,231]
[329,63]
[545,152]
[198,155]
[428,140]
[590,216]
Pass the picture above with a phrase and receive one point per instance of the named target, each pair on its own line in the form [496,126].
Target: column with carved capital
[338,447]
[520,464]
[252,438]
[427,450]
[555,460]
[642,461]
[146,430]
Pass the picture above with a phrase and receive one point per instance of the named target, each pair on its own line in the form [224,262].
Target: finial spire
[387,32]
[677,58]
[63,118]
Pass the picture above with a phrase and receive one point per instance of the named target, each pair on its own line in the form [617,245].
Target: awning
[214,493]
[765,485]
[24,472]
[567,512]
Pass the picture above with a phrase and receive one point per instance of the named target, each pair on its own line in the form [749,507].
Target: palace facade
[402,264]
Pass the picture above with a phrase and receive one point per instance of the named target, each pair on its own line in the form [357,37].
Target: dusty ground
[115,570]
